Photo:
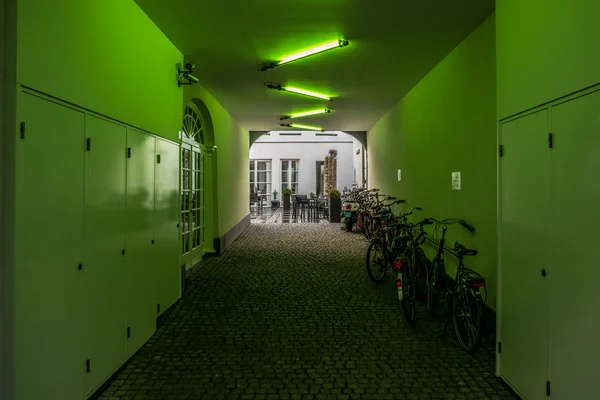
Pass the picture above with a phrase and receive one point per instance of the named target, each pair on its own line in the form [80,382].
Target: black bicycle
[388,241]
[463,293]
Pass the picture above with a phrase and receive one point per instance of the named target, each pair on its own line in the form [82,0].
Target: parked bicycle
[463,293]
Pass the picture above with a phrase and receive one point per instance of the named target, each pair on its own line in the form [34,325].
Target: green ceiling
[393,44]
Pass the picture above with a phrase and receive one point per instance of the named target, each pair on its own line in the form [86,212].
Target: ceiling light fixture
[306,53]
[299,91]
[307,127]
[306,114]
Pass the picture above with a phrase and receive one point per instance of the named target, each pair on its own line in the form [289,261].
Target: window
[260,177]
[289,175]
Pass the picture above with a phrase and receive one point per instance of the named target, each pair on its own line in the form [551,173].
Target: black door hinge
[88,144]
[158,158]
[550,140]
[500,150]
[128,332]
[88,365]
[129,152]
[499,347]
[548,391]
[22,130]
[158,308]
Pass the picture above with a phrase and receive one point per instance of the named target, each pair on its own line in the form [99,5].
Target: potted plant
[312,195]
[335,206]
[286,193]
[275,202]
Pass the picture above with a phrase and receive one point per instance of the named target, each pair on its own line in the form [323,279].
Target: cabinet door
[104,258]
[524,230]
[141,274]
[167,212]
[50,362]
[574,272]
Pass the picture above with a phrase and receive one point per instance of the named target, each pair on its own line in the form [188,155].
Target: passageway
[288,312]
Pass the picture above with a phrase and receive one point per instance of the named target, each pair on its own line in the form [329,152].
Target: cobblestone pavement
[288,312]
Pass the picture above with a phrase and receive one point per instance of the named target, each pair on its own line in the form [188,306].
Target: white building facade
[294,159]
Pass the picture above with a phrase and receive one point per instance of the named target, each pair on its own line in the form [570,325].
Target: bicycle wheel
[376,261]
[409,301]
[430,293]
[467,313]
[368,226]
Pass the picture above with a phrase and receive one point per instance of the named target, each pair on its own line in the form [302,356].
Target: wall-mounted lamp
[306,114]
[307,127]
[306,53]
[187,75]
[299,91]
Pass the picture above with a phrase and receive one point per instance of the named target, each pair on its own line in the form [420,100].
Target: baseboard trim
[227,239]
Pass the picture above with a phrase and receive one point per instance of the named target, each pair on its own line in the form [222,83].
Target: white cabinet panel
[525,318]
[574,271]
[141,271]
[50,339]
[167,214]
[104,249]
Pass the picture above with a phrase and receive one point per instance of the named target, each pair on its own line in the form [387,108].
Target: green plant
[334,194]
[286,192]
[275,192]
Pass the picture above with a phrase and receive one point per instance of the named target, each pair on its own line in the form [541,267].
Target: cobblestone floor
[288,312]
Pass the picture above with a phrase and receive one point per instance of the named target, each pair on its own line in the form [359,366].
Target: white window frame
[295,186]
[269,171]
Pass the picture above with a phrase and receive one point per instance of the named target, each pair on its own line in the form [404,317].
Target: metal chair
[303,203]
[253,199]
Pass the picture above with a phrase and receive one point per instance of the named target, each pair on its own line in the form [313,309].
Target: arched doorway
[193,187]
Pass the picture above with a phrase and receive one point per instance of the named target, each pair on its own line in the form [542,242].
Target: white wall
[358,151]
[308,149]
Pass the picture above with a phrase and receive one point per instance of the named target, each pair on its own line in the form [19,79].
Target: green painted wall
[447,123]
[545,49]
[103,55]
[232,157]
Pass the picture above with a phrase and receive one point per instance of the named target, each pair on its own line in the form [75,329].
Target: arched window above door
[193,125]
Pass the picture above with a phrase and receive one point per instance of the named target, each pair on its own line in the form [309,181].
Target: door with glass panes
[192,188]
[289,175]
[260,178]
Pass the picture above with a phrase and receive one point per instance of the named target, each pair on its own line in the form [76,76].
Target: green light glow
[308,127]
[314,50]
[307,113]
[307,93]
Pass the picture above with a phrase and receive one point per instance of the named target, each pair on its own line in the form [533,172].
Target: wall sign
[456,181]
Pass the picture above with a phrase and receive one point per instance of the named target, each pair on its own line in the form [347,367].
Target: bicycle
[464,301]
[409,266]
[379,216]
[387,242]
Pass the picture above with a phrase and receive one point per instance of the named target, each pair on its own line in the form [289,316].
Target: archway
[198,184]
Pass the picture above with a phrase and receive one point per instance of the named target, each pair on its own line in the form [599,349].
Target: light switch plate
[399,175]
